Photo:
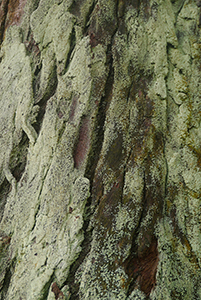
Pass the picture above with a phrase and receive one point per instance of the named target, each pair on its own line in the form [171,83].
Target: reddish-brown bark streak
[57,292]
[83,143]
[143,269]
[3,13]
[11,12]
[5,240]
[73,108]
[15,12]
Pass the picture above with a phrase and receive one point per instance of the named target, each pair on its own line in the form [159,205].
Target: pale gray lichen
[16,98]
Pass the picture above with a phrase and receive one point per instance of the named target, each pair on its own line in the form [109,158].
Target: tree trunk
[100,179]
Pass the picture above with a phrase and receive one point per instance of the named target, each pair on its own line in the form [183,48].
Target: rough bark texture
[100,166]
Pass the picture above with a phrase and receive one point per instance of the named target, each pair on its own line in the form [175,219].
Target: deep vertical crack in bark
[93,158]
[3,15]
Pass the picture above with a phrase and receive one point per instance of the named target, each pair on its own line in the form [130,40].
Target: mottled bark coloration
[11,12]
[100,165]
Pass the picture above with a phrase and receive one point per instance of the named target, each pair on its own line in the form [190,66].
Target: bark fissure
[72,47]
[10,269]
[3,15]
[93,158]
[18,158]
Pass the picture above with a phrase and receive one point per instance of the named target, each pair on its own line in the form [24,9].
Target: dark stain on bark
[57,292]
[5,240]
[101,29]
[143,120]
[73,107]
[197,153]
[121,8]
[107,204]
[114,154]
[15,12]
[153,198]
[198,2]
[83,143]
[31,46]
[11,12]
[78,9]
[107,207]
[142,270]
[142,6]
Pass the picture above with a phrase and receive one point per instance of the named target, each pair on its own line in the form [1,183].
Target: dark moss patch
[78,9]
[114,154]
[108,205]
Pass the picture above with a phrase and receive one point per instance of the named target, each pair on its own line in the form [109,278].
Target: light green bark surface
[100,165]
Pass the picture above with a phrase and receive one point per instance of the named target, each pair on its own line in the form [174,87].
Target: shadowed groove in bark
[36,213]
[37,66]
[98,134]
[72,46]
[18,157]
[45,291]
[137,267]
[43,102]
[11,12]
[4,191]
[90,11]
[34,52]
[142,268]
[86,245]
[93,157]
[7,278]
[76,9]
[145,248]
[3,14]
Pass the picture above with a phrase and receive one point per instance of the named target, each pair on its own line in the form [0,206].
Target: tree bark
[100,179]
